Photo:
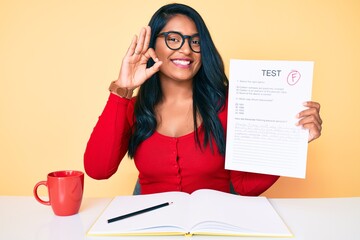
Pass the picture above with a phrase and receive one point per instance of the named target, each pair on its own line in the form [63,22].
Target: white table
[328,218]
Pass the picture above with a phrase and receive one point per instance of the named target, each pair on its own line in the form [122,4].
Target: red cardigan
[164,163]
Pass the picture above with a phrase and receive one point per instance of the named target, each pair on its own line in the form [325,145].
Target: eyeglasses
[175,40]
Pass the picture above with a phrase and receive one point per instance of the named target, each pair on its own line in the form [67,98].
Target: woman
[175,127]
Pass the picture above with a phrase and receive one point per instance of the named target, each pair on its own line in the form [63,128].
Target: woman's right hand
[133,71]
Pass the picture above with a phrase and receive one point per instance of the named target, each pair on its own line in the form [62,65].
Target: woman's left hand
[310,119]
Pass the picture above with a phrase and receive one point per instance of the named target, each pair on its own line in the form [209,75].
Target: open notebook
[204,212]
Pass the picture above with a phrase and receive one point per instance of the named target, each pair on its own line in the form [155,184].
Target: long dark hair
[209,85]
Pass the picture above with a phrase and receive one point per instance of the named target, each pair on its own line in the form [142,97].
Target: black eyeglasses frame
[184,37]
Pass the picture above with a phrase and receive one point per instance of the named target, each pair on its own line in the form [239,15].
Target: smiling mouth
[181,62]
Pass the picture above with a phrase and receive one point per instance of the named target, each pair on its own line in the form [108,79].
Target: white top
[321,218]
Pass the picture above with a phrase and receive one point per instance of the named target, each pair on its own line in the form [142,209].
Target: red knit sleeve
[251,184]
[108,142]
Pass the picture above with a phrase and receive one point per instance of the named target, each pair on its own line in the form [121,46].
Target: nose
[185,48]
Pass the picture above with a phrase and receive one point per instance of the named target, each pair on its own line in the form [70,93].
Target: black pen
[138,212]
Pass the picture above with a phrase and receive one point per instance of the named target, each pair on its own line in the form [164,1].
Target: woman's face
[181,64]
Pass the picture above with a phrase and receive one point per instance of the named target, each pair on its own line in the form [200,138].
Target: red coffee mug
[65,190]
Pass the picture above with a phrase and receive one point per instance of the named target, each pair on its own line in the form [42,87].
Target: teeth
[181,62]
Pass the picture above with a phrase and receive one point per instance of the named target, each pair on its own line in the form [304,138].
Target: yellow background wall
[57,59]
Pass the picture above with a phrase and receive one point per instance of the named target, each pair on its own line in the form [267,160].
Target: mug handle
[36,194]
